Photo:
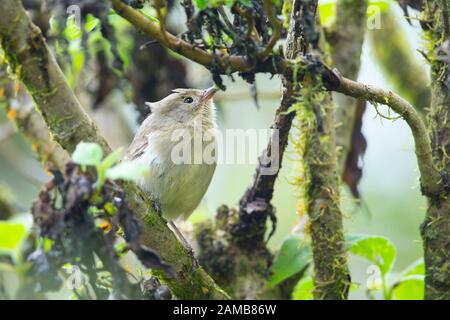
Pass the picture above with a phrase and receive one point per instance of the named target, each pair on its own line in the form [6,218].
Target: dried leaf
[353,172]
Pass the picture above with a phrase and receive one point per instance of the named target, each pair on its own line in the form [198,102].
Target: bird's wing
[136,149]
[139,144]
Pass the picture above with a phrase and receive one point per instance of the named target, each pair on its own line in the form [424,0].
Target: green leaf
[377,250]
[218,3]
[199,215]
[410,288]
[303,290]
[88,154]
[121,249]
[110,208]
[327,12]
[72,31]
[77,57]
[47,244]
[415,268]
[277,3]
[12,235]
[201,4]
[107,163]
[351,239]
[129,170]
[411,284]
[91,23]
[112,158]
[382,5]
[292,257]
[247,3]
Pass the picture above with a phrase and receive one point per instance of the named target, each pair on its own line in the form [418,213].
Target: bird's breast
[180,172]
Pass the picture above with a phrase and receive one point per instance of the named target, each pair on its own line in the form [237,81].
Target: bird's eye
[188,100]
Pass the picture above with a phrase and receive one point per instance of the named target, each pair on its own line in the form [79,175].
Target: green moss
[435,229]
[316,184]
[286,12]
[239,269]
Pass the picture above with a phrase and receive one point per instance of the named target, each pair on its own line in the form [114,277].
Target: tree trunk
[317,147]
[436,227]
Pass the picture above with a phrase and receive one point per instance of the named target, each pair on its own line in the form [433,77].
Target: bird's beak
[209,93]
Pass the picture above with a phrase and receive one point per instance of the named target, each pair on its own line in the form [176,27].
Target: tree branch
[255,204]
[430,177]
[31,60]
[316,145]
[276,29]
[432,184]
[237,63]
[435,229]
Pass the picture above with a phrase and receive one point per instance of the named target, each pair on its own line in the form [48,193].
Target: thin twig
[250,20]
[430,177]
[225,18]
[276,29]
[161,18]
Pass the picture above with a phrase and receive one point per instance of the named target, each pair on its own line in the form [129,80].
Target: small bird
[182,125]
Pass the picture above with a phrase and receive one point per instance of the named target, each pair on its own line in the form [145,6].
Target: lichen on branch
[316,148]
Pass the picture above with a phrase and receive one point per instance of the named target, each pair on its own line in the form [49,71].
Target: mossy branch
[316,145]
[277,26]
[435,229]
[256,200]
[175,44]
[430,177]
[32,62]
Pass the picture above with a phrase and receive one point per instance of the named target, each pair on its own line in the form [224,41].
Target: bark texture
[436,227]
[255,205]
[32,62]
[316,146]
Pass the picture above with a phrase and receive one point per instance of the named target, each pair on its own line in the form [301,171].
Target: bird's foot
[195,264]
[186,245]
[156,206]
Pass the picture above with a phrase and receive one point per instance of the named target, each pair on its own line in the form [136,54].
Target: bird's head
[184,105]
